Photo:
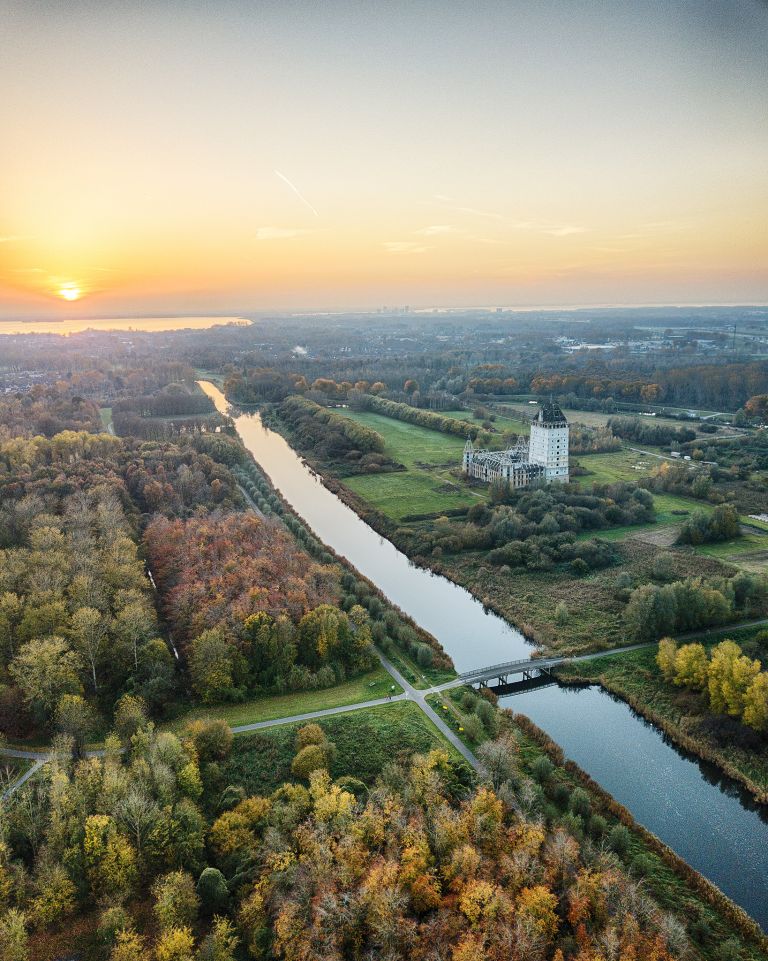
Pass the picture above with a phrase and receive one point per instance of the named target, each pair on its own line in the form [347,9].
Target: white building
[544,458]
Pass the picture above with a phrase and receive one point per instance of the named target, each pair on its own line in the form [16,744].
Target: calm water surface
[703,817]
[707,820]
[471,635]
[144,324]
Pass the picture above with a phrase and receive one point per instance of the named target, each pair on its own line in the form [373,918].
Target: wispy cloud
[563,230]
[281,233]
[298,193]
[404,247]
[11,238]
[436,229]
[452,204]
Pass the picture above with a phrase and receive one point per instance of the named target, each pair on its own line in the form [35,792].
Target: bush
[212,739]
[213,891]
[473,729]
[618,839]
[311,758]
[309,734]
[542,769]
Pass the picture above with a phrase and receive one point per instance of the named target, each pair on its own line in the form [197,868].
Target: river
[705,818]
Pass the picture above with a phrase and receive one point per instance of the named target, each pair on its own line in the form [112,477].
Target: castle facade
[543,457]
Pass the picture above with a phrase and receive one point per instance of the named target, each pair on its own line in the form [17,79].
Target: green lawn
[367,687]
[106,418]
[427,484]
[365,740]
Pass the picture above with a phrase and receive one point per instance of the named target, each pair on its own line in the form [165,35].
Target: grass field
[366,741]
[367,687]
[427,484]
[593,418]
[106,418]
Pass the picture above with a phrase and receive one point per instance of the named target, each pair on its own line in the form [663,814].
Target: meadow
[429,458]
[366,741]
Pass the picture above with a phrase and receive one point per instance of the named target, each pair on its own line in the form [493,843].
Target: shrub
[213,891]
[618,839]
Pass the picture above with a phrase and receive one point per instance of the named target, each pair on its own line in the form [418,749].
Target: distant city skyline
[189,157]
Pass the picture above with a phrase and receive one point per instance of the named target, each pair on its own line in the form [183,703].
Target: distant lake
[144,324]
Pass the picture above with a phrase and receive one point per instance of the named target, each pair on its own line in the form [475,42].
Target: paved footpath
[410,693]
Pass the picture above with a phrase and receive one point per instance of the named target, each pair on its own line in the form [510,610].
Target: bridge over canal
[525,669]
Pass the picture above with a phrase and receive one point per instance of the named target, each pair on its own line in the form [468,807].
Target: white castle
[543,458]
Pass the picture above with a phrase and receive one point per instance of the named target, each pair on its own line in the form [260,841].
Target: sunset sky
[185,156]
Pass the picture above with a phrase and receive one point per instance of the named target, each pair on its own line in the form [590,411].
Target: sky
[182,156]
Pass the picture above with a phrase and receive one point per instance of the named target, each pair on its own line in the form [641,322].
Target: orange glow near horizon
[358,155]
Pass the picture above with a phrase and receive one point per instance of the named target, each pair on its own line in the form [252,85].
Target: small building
[544,457]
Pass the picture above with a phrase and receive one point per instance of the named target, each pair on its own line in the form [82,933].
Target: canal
[705,818]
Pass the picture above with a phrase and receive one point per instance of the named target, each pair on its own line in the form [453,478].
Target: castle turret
[469,452]
[549,442]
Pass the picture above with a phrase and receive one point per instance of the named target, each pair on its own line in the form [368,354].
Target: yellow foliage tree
[730,674]
[756,703]
[665,658]
[538,906]
[110,861]
[480,901]
[176,944]
[692,667]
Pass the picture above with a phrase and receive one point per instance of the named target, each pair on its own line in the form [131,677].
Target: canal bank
[475,637]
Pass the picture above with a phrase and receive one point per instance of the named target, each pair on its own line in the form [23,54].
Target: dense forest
[250,610]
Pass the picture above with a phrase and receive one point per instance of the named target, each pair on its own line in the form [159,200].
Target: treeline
[644,431]
[263,385]
[249,610]
[413,415]
[733,683]
[167,403]
[329,435]
[712,386]
[47,411]
[591,440]
[656,610]
[131,424]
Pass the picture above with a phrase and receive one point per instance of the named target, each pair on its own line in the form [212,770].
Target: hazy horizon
[188,158]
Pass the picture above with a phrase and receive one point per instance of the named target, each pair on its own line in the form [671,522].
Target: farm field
[427,484]
[593,418]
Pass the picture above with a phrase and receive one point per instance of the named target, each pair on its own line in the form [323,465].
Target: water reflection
[473,637]
[706,818]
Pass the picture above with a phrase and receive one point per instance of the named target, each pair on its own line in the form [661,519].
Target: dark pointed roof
[550,413]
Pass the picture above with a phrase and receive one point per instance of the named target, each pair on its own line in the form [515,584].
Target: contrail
[298,193]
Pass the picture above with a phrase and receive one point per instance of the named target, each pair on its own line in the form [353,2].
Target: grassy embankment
[680,713]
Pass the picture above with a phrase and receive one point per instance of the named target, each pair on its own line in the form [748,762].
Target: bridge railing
[527,663]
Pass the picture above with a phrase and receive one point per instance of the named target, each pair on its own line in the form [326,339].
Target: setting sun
[70,292]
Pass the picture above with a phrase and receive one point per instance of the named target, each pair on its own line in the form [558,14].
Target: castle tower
[549,442]
[469,452]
